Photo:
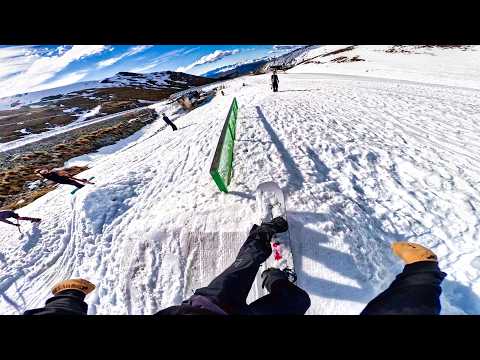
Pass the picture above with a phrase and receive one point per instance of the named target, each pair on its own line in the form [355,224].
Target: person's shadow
[461,296]
[314,246]
[32,238]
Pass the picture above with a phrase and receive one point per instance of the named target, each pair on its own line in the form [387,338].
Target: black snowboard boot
[277,225]
[272,275]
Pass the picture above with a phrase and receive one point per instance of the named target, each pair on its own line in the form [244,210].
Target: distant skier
[274,81]
[7,214]
[62,177]
[169,122]
[225,295]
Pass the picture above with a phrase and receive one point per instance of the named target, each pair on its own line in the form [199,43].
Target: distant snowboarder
[169,122]
[62,177]
[7,214]
[274,81]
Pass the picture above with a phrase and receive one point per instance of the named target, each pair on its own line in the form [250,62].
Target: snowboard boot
[81,285]
[272,275]
[411,253]
[277,225]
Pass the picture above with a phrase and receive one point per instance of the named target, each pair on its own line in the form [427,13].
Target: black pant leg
[74,183]
[68,302]
[169,122]
[416,291]
[230,289]
[285,299]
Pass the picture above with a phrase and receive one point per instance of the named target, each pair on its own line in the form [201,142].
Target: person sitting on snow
[7,214]
[62,177]
[225,295]
[416,291]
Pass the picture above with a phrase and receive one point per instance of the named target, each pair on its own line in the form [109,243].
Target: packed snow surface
[363,161]
[436,65]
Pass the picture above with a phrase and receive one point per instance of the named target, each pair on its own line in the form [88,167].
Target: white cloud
[15,59]
[284,48]
[210,58]
[160,60]
[68,79]
[287,47]
[26,68]
[132,51]
[191,50]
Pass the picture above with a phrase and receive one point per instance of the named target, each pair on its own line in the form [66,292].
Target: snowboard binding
[292,276]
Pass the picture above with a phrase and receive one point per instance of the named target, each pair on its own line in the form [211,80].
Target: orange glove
[82,285]
[411,253]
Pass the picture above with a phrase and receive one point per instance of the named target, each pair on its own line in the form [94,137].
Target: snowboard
[270,203]
[76,189]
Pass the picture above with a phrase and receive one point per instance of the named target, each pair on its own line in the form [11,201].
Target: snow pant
[416,291]
[74,183]
[68,302]
[275,87]
[67,181]
[230,289]
[169,122]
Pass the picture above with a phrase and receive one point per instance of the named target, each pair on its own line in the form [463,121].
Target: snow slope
[445,66]
[82,121]
[364,162]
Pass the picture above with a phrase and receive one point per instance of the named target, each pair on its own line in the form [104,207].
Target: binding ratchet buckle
[292,276]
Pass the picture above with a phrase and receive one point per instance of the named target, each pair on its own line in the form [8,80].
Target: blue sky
[32,68]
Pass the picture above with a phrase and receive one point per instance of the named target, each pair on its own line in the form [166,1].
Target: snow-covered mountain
[16,101]
[236,70]
[294,57]
[33,113]
[446,65]
[365,160]
[157,80]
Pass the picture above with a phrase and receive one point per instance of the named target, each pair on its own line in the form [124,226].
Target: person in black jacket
[8,214]
[275,81]
[225,295]
[169,122]
[62,177]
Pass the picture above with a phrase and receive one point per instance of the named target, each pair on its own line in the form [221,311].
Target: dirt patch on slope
[19,185]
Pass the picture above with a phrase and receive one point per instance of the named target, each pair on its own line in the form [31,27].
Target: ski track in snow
[363,162]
